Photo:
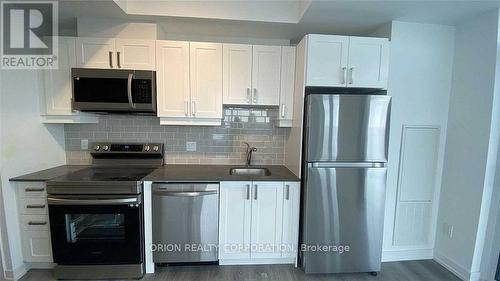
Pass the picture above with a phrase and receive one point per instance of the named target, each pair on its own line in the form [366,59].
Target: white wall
[26,146]
[492,243]
[420,71]
[114,28]
[471,145]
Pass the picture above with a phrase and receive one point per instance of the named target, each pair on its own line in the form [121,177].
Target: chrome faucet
[250,150]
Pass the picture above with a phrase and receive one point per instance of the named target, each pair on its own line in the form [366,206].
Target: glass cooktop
[107,174]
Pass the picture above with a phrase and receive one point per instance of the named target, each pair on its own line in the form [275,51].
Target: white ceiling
[321,16]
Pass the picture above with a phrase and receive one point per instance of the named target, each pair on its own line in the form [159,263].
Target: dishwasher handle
[159,192]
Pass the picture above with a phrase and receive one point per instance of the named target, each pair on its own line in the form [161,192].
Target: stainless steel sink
[249,171]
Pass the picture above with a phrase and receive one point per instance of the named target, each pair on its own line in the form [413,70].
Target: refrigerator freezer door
[343,207]
[347,128]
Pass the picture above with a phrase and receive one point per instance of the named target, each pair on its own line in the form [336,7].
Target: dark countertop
[214,173]
[48,174]
[174,173]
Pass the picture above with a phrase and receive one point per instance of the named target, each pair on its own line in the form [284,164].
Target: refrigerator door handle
[346,165]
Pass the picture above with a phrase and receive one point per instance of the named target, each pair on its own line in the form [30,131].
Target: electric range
[96,214]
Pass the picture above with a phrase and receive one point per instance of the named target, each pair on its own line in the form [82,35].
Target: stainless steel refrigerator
[345,156]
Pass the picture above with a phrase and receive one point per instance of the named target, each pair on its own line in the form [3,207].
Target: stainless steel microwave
[109,90]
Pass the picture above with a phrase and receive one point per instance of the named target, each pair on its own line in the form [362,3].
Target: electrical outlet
[84,144]
[190,146]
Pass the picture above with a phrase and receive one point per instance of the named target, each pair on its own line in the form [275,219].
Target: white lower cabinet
[259,222]
[34,221]
[291,212]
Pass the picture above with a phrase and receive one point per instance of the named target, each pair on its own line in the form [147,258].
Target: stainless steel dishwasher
[185,222]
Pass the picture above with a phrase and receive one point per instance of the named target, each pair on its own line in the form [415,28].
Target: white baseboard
[15,274]
[454,267]
[40,265]
[407,254]
[257,261]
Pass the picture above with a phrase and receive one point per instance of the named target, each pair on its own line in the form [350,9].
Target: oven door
[108,90]
[96,230]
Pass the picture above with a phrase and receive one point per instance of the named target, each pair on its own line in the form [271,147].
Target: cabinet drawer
[35,222]
[33,206]
[37,246]
[32,190]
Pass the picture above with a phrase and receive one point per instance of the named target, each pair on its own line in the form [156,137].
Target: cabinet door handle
[283,110]
[351,76]
[344,75]
[37,222]
[111,59]
[249,96]
[248,192]
[287,194]
[193,108]
[186,108]
[118,59]
[31,189]
[254,95]
[35,206]
[255,193]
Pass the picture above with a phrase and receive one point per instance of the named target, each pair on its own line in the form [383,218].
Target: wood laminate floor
[427,270]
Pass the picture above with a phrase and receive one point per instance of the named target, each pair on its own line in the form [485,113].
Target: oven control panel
[127,148]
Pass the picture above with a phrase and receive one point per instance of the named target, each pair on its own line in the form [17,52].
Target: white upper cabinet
[206,80]
[344,61]
[287,86]
[266,73]
[189,83]
[172,78]
[56,96]
[109,53]
[327,57]
[135,54]
[237,83]
[251,74]
[368,62]
[95,52]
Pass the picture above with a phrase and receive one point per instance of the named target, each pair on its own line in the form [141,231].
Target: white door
[206,79]
[267,218]
[234,220]
[291,205]
[135,54]
[368,62]
[172,78]
[95,52]
[287,83]
[237,78]
[37,246]
[57,82]
[266,72]
[327,60]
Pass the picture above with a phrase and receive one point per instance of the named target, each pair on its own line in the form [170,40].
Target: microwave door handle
[129,89]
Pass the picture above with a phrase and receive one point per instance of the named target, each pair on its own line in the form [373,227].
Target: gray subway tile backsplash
[215,145]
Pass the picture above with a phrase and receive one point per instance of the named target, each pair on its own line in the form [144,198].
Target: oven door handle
[74,201]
